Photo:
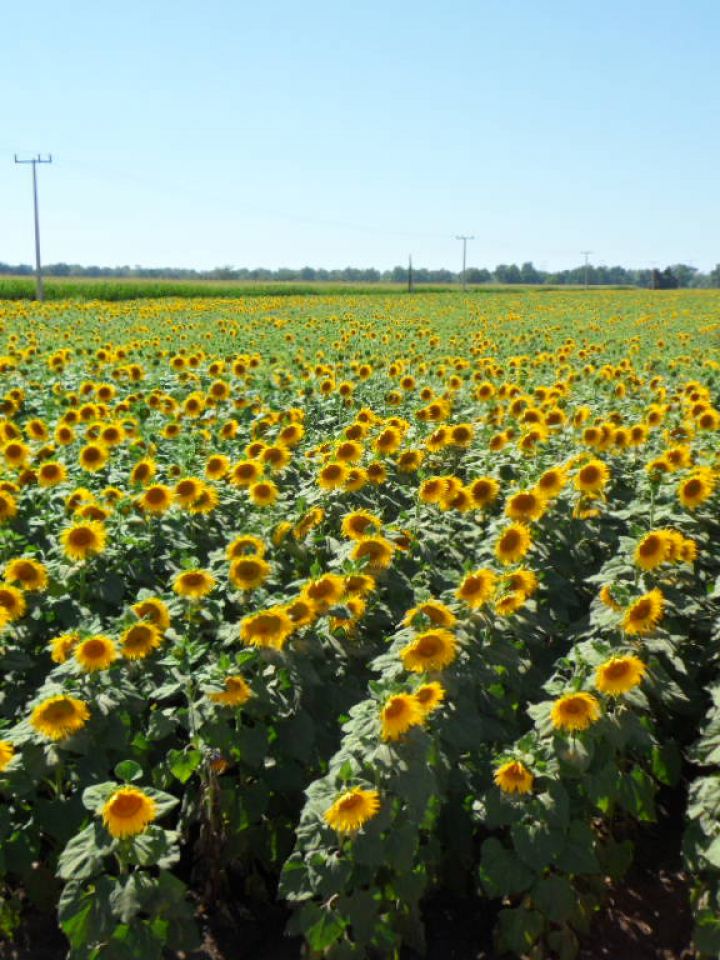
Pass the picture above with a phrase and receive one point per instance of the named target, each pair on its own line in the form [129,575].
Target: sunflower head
[644,614]
[140,639]
[575,711]
[83,540]
[95,653]
[352,810]
[127,812]
[237,692]
[514,777]
[430,696]
[193,584]
[398,714]
[477,588]
[59,717]
[430,651]
[619,674]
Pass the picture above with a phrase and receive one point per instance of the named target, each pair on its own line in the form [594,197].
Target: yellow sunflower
[652,550]
[8,505]
[430,696]
[355,525]
[430,651]
[139,640]
[29,573]
[59,717]
[61,647]
[433,610]
[619,674]
[477,588]
[643,616]
[83,540]
[93,457]
[248,572]
[513,543]
[514,777]
[525,505]
[193,583]
[376,551]
[593,477]
[332,475]
[154,610]
[127,812]
[352,810]
[695,490]
[575,711]
[398,714]
[263,493]
[243,545]
[268,628]
[237,692]
[51,473]
[7,752]
[324,592]
[156,498]
[12,601]
[95,653]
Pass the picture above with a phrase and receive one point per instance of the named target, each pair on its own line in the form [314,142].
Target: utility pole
[464,243]
[586,254]
[40,293]
[410,274]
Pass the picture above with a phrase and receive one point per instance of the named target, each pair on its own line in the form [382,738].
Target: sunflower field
[347,600]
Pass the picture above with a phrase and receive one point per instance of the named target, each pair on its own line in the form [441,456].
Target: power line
[40,293]
[464,243]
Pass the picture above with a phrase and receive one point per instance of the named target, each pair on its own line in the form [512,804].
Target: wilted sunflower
[7,752]
[398,714]
[139,640]
[376,551]
[95,653]
[514,777]
[593,477]
[575,711]
[236,692]
[268,628]
[29,573]
[154,610]
[352,810]
[477,588]
[619,674]
[642,616]
[248,572]
[513,543]
[193,583]
[127,812]
[59,717]
[430,696]
[355,525]
[83,540]
[430,651]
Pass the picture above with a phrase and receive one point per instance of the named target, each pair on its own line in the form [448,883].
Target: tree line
[679,275]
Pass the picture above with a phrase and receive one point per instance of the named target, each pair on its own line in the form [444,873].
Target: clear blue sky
[334,134]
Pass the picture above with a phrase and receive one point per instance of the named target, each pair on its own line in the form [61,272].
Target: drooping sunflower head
[236,693]
[352,810]
[514,777]
[619,674]
[575,711]
[128,812]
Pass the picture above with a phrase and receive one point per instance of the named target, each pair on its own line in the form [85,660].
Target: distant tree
[528,274]
[683,273]
[715,276]
[478,275]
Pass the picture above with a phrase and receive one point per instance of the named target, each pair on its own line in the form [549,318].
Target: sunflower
[156,498]
[51,473]
[619,674]
[324,592]
[607,598]
[593,477]
[432,489]
[217,466]
[8,505]
[154,610]
[642,616]
[62,646]
[244,473]
[95,653]
[483,491]
[139,640]
[206,500]
[302,612]
[461,435]
[575,711]
[359,583]
[352,810]
[513,543]
[93,457]
[521,581]
[429,696]
[476,588]
[59,717]
[237,692]
[7,752]
[12,601]
[430,651]
[525,505]
[695,490]
[187,490]
[16,453]
[313,518]
[652,550]
[332,475]
[398,714]
[387,441]
[355,525]
[193,583]
[263,493]
[248,572]
[513,777]
[268,628]
[433,610]
[376,551]
[83,540]
[551,482]
[29,573]
[127,812]
[509,603]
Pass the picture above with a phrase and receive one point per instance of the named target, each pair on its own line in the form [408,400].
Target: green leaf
[536,844]
[129,771]
[83,856]
[577,855]
[519,929]
[183,763]
[95,797]
[555,898]
[501,872]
